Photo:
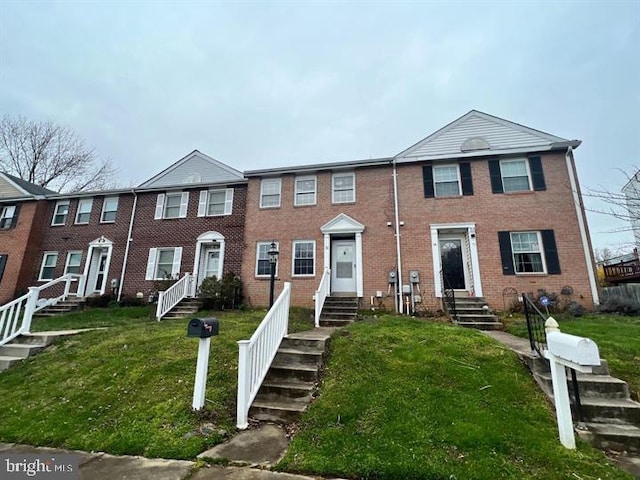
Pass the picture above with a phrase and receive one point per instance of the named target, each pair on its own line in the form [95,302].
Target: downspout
[398,294]
[582,224]
[129,240]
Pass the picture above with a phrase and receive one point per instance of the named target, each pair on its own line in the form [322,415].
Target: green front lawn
[127,389]
[618,339]
[408,399]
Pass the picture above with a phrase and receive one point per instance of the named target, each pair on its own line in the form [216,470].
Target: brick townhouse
[493,205]
[22,211]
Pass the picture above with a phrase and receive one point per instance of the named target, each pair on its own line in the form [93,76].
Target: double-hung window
[7,217]
[343,187]
[73,262]
[48,268]
[263,267]
[172,205]
[163,263]
[270,192]
[529,252]
[446,180]
[215,202]
[109,210]
[517,175]
[84,210]
[60,212]
[304,253]
[3,262]
[305,193]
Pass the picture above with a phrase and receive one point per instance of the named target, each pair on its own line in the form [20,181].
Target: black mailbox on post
[203,327]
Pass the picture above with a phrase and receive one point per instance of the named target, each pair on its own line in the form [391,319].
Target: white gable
[478,133]
[195,168]
[9,189]
[343,223]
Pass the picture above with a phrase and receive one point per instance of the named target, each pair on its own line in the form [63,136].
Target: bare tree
[52,156]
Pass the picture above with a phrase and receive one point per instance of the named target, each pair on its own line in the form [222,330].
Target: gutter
[129,240]
[398,294]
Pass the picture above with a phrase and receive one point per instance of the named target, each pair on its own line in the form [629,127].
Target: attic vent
[192,178]
[475,143]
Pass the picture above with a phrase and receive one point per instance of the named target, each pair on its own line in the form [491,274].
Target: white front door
[209,264]
[343,266]
[101,272]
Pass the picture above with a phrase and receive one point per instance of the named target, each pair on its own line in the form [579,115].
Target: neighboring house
[631,191]
[22,210]
[491,203]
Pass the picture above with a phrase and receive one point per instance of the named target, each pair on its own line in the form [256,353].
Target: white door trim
[343,224]
[98,243]
[208,237]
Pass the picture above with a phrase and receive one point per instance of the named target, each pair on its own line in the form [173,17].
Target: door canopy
[343,223]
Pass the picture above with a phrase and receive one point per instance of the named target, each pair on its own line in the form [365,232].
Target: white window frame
[526,165]
[7,220]
[60,203]
[204,202]
[270,181]
[268,246]
[154,257]
[298,191]
[540,252]
[161,205]
[293,258]
[459,180]
[67,263]
[81,203]
[105,202]
[44,265]
[333,187]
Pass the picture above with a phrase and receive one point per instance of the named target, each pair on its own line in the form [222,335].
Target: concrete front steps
[71,304]
[28,345]
[473,314]
[293,377]
[186,308]
[339,311]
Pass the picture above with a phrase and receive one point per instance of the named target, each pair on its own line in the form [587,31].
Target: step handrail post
[30,309]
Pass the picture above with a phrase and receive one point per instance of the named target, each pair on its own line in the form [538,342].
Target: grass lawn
[127,389]
[408,399]
[618,338]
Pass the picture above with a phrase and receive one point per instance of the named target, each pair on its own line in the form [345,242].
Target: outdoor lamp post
[273,260]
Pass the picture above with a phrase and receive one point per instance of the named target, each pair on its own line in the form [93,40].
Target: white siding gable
[8,190]
[194,169]
[501,135]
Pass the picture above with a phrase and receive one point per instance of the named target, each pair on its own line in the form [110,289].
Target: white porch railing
[324,289]
[257,353]
[16,316]
[174,295]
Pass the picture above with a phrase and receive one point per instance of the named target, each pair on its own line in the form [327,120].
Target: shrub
[575,309]
[131,301]
[617,304]
[221,294]
[100,301]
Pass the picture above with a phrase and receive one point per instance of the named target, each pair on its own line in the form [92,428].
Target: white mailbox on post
[578,353]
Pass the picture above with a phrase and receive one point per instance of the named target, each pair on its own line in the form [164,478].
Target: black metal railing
[535,326]
[448,298]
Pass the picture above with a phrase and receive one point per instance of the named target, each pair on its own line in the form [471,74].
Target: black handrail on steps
[448,297]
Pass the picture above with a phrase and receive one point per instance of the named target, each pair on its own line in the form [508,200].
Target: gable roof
[195,168]
[16,187]
[479,134]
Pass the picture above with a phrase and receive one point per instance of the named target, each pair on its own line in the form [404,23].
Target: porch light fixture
[273,260]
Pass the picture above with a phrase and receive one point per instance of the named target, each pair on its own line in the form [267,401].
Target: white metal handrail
[69,279]
[12,318]
[257,353]
[173,295]
[324,289]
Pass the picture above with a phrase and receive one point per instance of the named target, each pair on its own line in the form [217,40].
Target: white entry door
[343,266]
[101,272]
[209,264]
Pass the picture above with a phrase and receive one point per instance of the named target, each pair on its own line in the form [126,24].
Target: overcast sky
[267,84]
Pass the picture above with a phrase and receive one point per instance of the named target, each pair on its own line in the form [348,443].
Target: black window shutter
[3,262]
[550,252]
[467,181]
[427,179]
[504,238]
[496,178]
[537,175]
[14,220]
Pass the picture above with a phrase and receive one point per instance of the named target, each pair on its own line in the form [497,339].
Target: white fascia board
[482,153]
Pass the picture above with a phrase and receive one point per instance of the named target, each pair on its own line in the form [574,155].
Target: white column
[435,252]
[359,266]
[475,262]
[327,250]
[201,373]
[244,384]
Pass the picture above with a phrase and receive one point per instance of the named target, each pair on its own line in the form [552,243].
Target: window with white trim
[73,262]
[172,205]
[48,268]
[84,210]
[109,210]
[527,252]
[163,263]
[270,192]
[305,190]
[515,175]
[263,267]
[3,261]
[60,212]
[304,257]
[343,187]
[7,215]
[446,180]
[215,202]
